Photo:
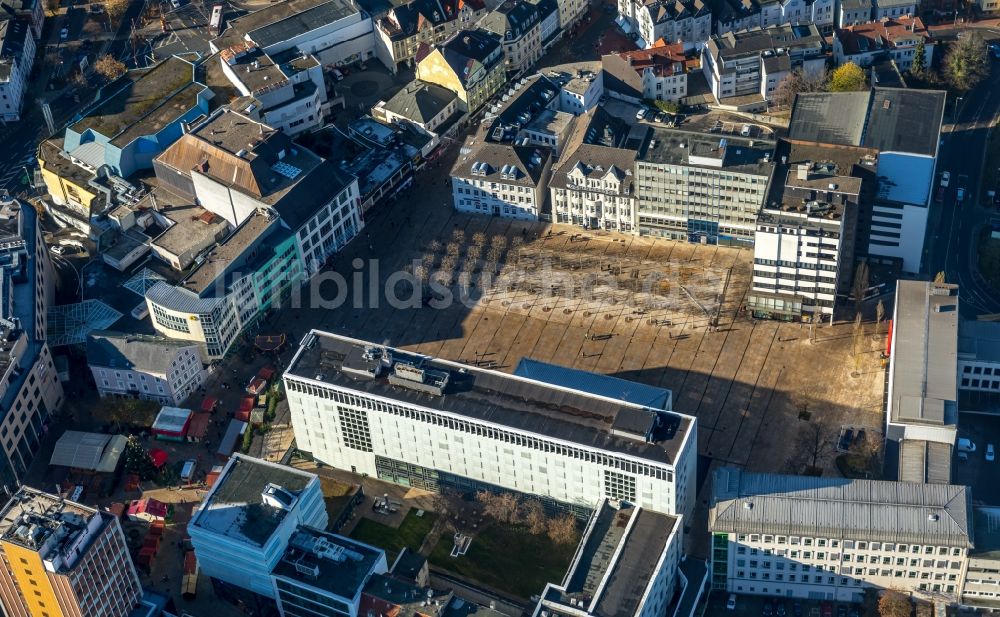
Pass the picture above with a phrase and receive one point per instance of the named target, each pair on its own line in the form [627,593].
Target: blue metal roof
[594,383]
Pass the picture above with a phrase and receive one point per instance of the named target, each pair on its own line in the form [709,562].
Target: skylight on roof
[286,170]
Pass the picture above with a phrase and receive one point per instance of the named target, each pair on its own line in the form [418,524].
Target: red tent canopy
[247,403]
[159,457]
[266,373]
[209,403]
[242,415]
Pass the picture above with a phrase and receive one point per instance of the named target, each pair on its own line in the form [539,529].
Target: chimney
[802,171]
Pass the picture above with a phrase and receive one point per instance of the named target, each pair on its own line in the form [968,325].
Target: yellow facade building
[63,559]
[470,64]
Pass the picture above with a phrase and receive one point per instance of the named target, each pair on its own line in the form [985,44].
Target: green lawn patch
[410,533]
[508,559]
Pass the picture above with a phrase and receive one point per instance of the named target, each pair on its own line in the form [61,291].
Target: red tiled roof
[882,34]
[663,58]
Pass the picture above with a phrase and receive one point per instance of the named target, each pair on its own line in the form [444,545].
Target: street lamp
[955,112]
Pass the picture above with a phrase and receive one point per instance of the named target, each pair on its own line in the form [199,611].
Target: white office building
[432,423]
[901,129]
[834,538]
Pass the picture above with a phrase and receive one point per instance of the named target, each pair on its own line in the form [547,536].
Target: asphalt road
[953,228]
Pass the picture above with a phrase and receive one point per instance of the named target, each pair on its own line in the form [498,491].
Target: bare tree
[814,441]
[109,68]
[533,515]
[115,9]
[501,507]
[861,279]
[879,316]
[479,239]
[458,513]
[798,81]
[563,529]
[894,604]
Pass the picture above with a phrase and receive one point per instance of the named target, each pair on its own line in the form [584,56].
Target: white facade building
[501,180]
[17,56]
[145,367]
[688,22]
[242,550]
[835,538]
[594,187]
[894,8]
[804,243]
[355,406]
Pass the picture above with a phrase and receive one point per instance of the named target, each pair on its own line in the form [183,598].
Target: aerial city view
[499,308]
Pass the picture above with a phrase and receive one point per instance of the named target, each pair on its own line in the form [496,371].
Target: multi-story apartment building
[900,129]
[30,390]
[889,38]
[152,368]
[688,22]
[659,73]
[335,31]
[737,15]
[804,244]
[425,105]
[502,180]
[17,56]
[470,64]
[921,392]
[519,26]
[626,566]
[594,187]
[548,16]
[236,167]
[853,12]
[893,8]
[404,28]
[834,538]
[63,559]
[700,187]
[286,90]
[243,526]
[431,423]
[744,68]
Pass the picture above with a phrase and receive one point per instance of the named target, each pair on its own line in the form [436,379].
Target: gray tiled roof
[840,508]
[420,101]
[528,161]
[136,352]
[596,162]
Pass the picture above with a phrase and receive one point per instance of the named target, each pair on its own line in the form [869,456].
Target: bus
[215,26]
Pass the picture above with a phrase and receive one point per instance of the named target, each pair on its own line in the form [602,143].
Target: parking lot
[977,472]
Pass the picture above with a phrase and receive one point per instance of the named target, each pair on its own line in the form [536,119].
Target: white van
[965,445]
[187,471]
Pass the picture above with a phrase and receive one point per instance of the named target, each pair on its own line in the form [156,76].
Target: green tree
[919,60]
[847,77]
[138,460]
[966,64]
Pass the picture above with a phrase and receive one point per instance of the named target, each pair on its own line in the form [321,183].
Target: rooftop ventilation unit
[278,497]
[408,376]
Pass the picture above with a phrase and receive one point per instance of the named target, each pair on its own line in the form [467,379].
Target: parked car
[990,453]
[660,116]
[966,445]
[945,178]
[639,115]
[731,602]
[337,74]
[767,609]
[58,249]
[745,131]
[960,195]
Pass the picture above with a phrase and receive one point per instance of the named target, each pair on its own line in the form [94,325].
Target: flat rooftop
[986,522]
[235,508]
[283,21]
[616,562]
[516,402]
[227,252]
[49,525]
[146,104]
[327,561]
[193,226]
[924,354]
[674,147]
